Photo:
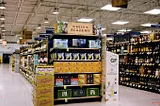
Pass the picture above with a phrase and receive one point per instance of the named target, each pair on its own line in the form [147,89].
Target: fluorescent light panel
[120,22]
[2,7]
[85,20]
[153,12]
[145,32]
[125,30]
[148,24]
[103,29]
[110,8]
[56,12]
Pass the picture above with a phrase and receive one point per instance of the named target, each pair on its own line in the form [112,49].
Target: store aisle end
[14,89]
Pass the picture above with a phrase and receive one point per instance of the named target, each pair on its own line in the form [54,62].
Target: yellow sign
[80,28]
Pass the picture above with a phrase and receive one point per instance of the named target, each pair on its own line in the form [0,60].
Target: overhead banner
[112,79]
[80,28]
[120,3]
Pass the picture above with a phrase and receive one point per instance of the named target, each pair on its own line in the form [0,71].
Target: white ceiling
[29,13]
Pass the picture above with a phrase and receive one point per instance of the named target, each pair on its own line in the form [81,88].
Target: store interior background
[31,14]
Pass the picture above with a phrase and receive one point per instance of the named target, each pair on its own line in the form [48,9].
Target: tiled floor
[16,91]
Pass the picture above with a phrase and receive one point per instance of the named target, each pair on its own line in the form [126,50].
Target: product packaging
[81,79]
[90,56]
[97,78]
[60,43]
[41,81]
[43,92]
[92,92]
[68,56]
[74,81]
[79,92]
[43,102]
[59,81]
[83,56]
[66,93]
[75,56]
[97,56]
[90,79]
[60,56]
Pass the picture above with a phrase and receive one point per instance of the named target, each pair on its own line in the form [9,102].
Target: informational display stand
[111,77]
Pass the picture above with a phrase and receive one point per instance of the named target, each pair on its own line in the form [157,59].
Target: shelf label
[66,100]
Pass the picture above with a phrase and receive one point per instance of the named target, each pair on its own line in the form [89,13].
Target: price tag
[66,100]
[65,87]
[67,50]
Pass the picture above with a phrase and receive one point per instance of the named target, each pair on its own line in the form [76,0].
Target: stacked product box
[77,67]
[43,86]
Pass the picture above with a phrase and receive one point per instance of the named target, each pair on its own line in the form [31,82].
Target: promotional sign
[112,72]
[80,28]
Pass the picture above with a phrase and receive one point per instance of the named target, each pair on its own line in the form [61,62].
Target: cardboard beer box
[57,64]
[92,92]
[41,81]
[81,79]
[44,102]
[74,69]
[58,69]
[43,92]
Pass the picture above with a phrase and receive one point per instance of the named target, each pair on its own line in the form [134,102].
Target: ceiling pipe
[39,2]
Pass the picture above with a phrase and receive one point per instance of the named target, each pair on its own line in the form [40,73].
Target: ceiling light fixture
[56,11]
[85,20]
[3,29]
[120,22]
[2,6]
[110,8]
[145,32]
[148,24]
[2,24]
[46,20]
[39,26]
[153,12]
[2,17]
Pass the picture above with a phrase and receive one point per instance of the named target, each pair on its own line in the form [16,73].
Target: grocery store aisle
[16,91]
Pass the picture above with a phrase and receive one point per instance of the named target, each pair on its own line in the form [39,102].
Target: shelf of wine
[141,53]
[140,64]
[140,81]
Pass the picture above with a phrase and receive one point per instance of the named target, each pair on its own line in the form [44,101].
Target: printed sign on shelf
[112,72]
[80,28]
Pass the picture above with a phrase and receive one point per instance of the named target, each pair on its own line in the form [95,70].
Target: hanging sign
[112,73]
[120,3]
[80,28]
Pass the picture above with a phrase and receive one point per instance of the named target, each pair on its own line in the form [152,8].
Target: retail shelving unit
[35,54]
[139,62]
[77,68]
